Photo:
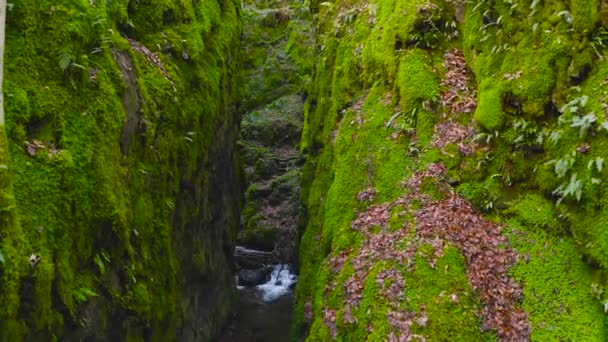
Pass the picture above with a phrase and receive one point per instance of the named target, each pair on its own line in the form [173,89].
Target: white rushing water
[281,280]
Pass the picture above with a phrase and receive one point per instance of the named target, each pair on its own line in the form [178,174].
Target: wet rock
[253,277]
[252,259]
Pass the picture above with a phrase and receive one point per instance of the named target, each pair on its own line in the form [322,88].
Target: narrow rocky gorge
[289,170]
[277,60]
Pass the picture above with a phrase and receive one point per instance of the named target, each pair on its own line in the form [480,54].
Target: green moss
[489,113]
[535,211]
[416,79]
[417,83]
[369,122]
[585,14]
[107,178]
[436,284]
[483,194]
[556,289]
[13,267]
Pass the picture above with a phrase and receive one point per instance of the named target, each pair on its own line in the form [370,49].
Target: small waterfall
[281,282]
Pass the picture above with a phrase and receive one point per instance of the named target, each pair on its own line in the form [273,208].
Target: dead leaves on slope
[451,219]
[458,97]
[488,259]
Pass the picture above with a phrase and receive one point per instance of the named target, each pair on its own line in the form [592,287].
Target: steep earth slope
[455,180]
[122,125]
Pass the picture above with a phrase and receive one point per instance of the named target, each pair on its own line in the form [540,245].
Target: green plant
[599,42]
[427,31]
[583,123]
[82,294]
[574,105]
[528,133]
[563,165]
[572,188]
[170,204]
[66,59]
[425,39]
[598,162]
[567,17]
[99,261]
[486,137]
[534,4]
[597,291]
[555,136]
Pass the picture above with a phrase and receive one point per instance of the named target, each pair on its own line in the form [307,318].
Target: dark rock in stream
[254,277]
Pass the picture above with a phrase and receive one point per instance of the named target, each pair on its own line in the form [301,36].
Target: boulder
[253,277]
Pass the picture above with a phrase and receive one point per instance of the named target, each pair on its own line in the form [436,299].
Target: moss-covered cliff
[455,181]
[122,124]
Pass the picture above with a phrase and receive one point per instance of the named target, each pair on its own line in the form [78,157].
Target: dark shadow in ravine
[265,311]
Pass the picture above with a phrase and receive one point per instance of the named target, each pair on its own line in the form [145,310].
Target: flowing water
[282,279]
[265,311]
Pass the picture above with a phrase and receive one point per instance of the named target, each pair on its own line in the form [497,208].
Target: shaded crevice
[131,98]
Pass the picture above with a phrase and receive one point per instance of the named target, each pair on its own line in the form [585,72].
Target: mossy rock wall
[122,122]
[500,104]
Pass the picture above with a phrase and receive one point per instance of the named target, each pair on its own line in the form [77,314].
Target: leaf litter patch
[452,220]
[459,96]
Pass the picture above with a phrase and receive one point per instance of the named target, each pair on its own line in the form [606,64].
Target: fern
[65,58]
[574,105]
[555,136]
[583,123]
[573,188]
[598,162]
[83,294]
[562,166]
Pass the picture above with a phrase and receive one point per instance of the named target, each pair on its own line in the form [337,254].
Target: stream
[265,311]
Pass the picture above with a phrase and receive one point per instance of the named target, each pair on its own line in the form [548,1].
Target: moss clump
[489,113]
[557,288]
[536,212]
[585,15]
[277,124]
